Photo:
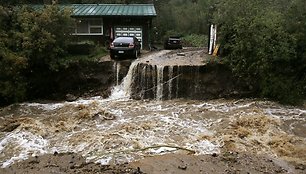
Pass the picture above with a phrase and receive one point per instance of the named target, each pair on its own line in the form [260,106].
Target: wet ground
[185,57]
[213,136]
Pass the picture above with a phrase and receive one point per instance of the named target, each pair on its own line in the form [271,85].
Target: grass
[195,40]
[92,57]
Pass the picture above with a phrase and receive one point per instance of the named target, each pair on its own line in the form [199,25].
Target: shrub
[195,40]
[81,48]
[260,49]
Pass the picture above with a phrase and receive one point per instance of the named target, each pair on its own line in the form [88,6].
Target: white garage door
[129,31]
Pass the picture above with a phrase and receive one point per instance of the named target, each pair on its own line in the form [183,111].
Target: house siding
[111,15]
[115,15]
[110,22]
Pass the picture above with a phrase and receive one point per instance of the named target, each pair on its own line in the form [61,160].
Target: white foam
[162,150]
[224,107]
[104,161]
[118,93]
[138,125]
[286,113]
[203,147]
[22,144]
[46,107]
[12,160]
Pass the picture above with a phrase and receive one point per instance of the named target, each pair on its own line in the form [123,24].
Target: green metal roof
[113,9]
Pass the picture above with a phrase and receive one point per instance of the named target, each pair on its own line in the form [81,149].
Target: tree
[12,65]
[259,48]
[182,17]
[32,42]
[44,35]
[296,26]
[43,38]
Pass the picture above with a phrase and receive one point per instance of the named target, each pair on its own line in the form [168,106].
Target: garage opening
[129,31]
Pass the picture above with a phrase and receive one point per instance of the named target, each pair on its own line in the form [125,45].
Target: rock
[182,167]
[70,97]
[214,155]
[300,167]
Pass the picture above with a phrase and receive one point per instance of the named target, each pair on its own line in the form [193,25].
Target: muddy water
[118,129]
[115,131]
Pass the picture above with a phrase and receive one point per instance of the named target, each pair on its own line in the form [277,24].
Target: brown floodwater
[111,131]
[118,129]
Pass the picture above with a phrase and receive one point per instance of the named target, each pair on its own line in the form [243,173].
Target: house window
[89,27]
[95,30]
[82,27]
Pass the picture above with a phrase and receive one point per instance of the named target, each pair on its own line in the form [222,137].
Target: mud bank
[85,79]
[165,164]
[68,163]
[165,74]
[197,82]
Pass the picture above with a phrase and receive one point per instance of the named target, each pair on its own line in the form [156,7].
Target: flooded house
[105,22]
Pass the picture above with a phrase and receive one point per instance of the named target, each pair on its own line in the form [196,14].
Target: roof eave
[148,16]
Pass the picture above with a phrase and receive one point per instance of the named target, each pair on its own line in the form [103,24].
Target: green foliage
[82,48]
[31,45]
[183,17]
[94,55]
[12,83]
[43,35]
[195,40]
[296,25]
[260,49]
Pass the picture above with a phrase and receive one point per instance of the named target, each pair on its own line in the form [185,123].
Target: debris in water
[9,126]
[182,167]
[104,115]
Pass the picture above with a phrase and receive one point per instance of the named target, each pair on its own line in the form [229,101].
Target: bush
[81,48]
[97,52]
[31,45]
[195,40]
[12,82]
[260,49]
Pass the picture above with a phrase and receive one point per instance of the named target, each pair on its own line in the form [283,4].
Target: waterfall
[170,75]
[154,80]
[123,90]
[150,81]
[177,83]
[166,75]
[143,80]
[160,82]
[163,76]
[117,67]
